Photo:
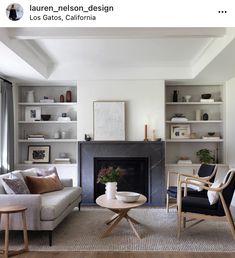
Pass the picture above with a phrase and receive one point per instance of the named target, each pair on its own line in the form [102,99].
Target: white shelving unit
[176,148]
[24,128]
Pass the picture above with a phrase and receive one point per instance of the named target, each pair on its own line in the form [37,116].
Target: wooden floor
[124,255]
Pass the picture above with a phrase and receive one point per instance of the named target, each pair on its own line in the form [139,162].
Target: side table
[7,210]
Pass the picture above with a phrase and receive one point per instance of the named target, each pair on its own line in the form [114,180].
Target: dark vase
[61,98]
[205,116]
[69,96]
[175,96]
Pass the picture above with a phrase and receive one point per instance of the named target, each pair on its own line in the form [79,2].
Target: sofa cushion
[14,185]
[54,203]
[39,185]
[29,172]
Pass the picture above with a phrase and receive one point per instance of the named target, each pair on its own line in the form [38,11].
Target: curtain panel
[7,127]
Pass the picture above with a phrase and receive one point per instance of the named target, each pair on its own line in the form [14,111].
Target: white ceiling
[40,54]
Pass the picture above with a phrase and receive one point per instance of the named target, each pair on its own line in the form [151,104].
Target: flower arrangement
[109,174]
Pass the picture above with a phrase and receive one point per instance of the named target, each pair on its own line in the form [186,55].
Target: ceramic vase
[69,96]
[30,96]
[110,190]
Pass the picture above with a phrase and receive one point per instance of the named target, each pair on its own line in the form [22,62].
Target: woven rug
[81,231]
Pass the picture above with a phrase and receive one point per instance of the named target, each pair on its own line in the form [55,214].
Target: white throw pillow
[213,196]
[195,187]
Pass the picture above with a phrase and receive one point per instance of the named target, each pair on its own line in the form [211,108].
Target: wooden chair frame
[179,176]
[181,220]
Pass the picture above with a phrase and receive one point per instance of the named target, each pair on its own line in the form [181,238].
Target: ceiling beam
[114,33]
[36,60]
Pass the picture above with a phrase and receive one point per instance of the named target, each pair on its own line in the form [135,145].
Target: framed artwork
[39,153]
[32,113]
[179,131]
[109,120]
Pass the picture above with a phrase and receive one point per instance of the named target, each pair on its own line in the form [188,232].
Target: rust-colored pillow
[38,185]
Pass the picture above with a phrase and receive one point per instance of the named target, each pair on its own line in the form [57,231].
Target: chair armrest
[199,179]
[219,189]
[66,182]
[33,202]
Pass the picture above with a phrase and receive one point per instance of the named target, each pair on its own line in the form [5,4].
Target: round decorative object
[45,117]
[205,116]
[61,98]
[69,96]
[110,190]
[206,96]
[127,196]
[30,96]
[187,98]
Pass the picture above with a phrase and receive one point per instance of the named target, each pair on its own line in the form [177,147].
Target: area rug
[81,231]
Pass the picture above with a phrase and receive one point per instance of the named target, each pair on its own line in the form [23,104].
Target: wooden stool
[9,210]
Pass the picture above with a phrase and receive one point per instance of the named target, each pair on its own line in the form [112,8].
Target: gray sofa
[44,211]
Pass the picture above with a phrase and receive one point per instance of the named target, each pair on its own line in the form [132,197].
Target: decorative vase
[205,116]
[30,96]
[110,190]
[198,114]
[175,95]
[61,98]
[69,96]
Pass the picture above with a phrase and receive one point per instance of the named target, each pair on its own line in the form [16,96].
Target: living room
[65,82]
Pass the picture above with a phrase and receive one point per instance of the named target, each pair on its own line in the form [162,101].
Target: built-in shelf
[49,140]
[192,165]
[46,164]
[47,122]
[194,140]
[195,122]
[195,103]
[47,104]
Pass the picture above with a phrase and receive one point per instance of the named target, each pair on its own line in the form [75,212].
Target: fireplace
[134,178]
[150,157]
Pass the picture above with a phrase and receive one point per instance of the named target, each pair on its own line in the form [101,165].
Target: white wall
[230,124]
[144,104]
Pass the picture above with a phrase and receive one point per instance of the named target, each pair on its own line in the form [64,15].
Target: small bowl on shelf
[211,133]
[45,117]
[127,196]
[206,96]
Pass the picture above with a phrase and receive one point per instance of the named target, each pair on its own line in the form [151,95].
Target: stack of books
[62,161]
[47,100]
[207,100]
[36,137]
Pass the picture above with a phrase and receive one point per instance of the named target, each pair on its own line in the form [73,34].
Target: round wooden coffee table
[121,211]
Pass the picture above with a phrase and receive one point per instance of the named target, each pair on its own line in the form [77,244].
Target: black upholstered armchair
[206,172]
[199,208]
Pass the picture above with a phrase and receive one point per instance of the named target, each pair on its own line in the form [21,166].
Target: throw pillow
[47,172]
[39,185]
[213,196]
[14,185]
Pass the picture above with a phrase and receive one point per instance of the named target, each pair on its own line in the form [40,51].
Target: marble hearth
[88,152]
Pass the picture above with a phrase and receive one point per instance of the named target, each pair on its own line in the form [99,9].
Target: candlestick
[145,133]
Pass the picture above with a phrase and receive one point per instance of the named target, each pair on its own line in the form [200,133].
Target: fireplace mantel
[154,151]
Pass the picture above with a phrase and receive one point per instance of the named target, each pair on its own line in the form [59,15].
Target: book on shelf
[36,136]
[207,100]
[211,138]
[179,119]
[47,100]
[62,161]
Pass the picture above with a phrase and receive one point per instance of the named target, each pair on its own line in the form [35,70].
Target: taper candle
[145,133]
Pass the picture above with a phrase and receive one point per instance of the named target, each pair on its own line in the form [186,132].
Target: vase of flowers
[109,176]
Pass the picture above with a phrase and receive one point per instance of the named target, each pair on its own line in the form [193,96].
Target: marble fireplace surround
[154,151]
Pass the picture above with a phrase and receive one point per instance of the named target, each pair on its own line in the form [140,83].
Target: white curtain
[7,127]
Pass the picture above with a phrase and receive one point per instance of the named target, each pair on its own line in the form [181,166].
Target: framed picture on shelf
[179,131]
[39,153]
[32,113]
[109,120]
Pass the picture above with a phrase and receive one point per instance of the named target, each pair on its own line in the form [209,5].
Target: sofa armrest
[33,204]
[67,182]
